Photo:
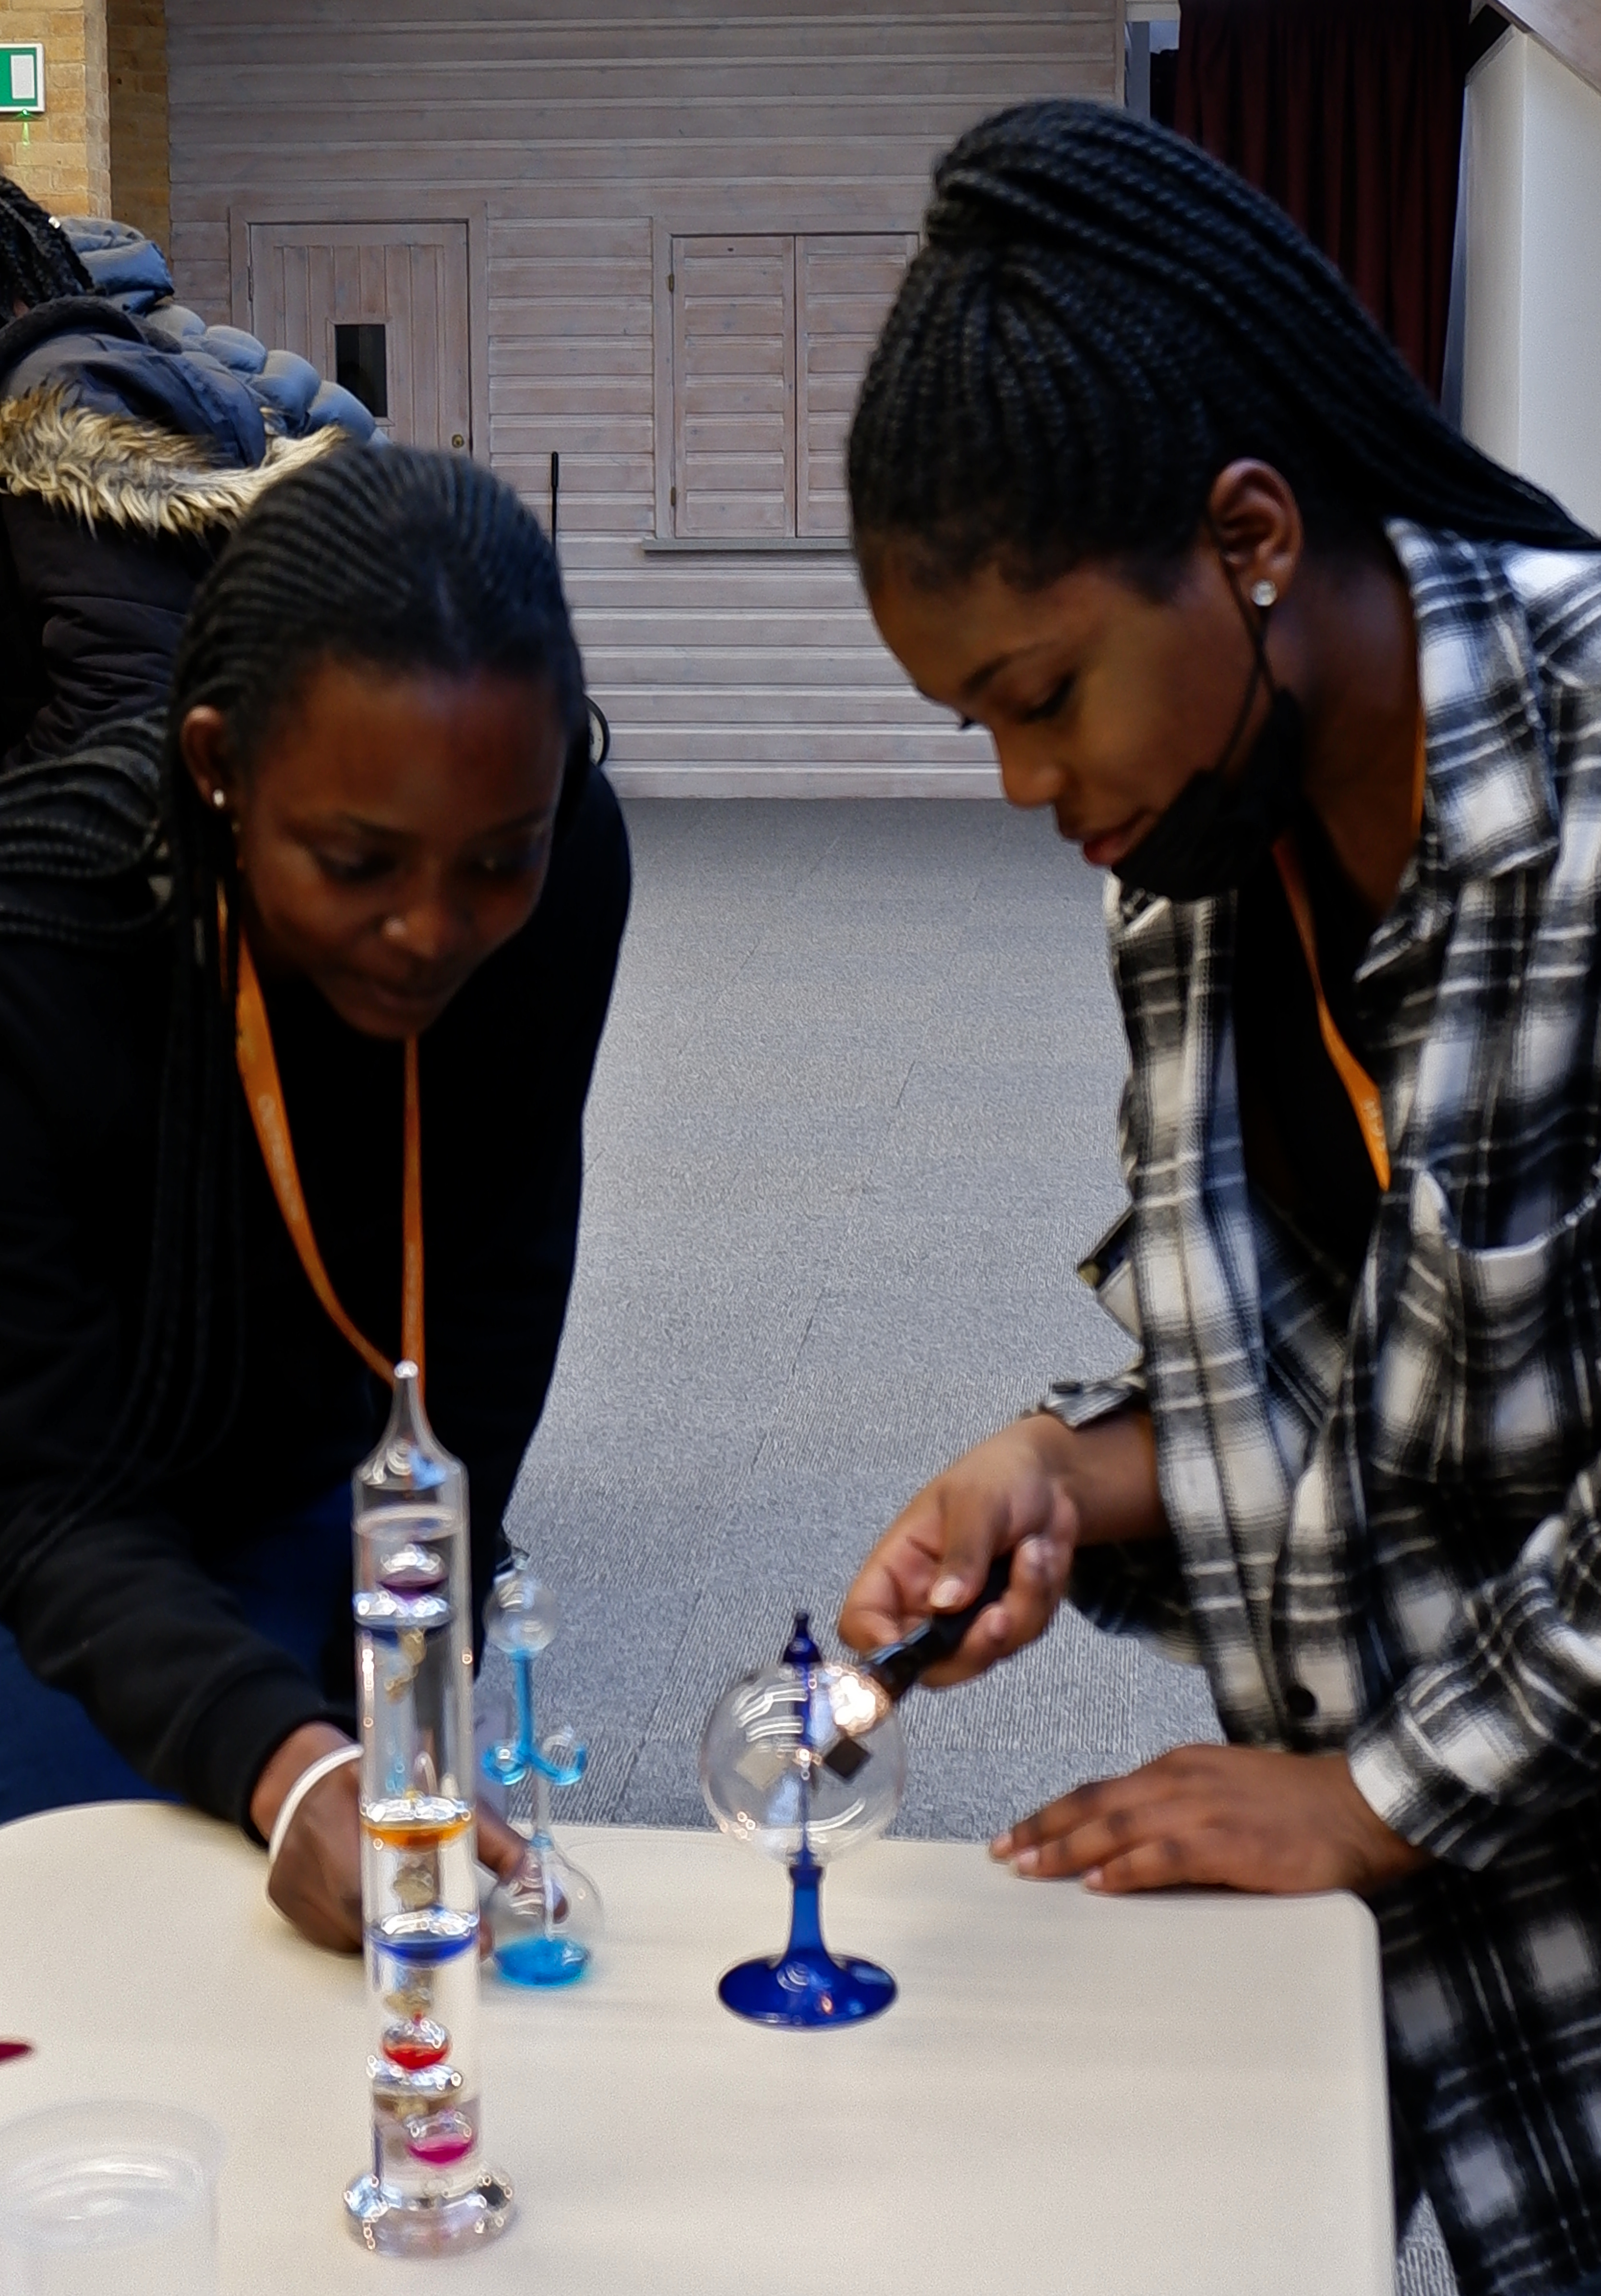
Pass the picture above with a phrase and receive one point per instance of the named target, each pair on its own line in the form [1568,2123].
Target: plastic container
[107,2196]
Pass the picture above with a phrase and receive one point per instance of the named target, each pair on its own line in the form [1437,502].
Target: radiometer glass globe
[765,1765]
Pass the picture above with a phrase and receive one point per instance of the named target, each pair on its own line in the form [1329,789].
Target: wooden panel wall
[584,135]
[733,385]
[844,284]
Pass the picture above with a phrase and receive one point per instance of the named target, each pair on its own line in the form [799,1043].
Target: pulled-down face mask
[1220,829]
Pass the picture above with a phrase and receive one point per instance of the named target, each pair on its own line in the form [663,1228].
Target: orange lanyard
[1360,1090]
[258,1069]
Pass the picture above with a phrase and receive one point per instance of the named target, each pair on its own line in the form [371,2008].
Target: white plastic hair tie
[312,1775]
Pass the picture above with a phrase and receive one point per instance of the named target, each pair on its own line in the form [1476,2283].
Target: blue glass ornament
[546,1920]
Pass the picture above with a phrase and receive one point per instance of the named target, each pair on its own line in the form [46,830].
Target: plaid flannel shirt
[1386,1500]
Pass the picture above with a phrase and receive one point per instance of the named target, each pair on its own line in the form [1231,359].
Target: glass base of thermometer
[440,2230]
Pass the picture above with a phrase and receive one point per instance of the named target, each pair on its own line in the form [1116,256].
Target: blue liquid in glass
[541,1961]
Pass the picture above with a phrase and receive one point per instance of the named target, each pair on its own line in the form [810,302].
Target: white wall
[1531,353]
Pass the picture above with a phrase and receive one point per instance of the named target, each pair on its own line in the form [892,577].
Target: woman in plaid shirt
[1138,487]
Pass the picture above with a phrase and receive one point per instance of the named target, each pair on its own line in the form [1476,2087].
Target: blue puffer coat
[133,437]
[131,272]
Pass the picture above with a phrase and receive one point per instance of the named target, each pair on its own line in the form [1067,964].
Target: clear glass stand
[415,2227]
[806,1985]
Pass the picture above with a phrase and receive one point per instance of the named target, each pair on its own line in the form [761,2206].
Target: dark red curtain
[1349,113]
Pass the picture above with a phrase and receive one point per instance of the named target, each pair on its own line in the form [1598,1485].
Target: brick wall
[101,146]
[65,158]
[136,54]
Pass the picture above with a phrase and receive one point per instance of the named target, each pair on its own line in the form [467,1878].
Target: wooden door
[381,307]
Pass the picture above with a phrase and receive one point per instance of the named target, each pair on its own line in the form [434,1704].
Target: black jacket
[122,1611]
[123,466]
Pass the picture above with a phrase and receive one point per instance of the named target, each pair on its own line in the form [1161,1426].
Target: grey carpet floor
[852,1126]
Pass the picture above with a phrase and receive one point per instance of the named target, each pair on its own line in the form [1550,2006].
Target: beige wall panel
[578,147]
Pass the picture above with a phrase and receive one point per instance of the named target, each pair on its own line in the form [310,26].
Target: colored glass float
[416,2044]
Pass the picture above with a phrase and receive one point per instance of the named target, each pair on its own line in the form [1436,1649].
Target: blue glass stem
[805,1907]
[527,1743]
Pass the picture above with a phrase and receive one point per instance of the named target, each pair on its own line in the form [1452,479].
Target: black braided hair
[392,559]
[37,261]
[1102,318]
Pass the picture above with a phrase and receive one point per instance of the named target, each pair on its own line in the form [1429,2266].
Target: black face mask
[1218,832]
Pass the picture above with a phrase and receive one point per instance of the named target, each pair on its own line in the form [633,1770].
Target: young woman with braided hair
[368,823]
[1138,487]
[37,261]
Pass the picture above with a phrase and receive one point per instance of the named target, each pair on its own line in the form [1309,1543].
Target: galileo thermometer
[429,2192]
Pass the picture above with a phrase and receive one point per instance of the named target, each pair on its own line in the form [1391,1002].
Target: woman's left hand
[1231,1817]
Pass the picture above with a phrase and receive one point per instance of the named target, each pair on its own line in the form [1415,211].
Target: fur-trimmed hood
[115,469]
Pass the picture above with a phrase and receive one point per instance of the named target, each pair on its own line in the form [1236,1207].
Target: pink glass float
[443,2141]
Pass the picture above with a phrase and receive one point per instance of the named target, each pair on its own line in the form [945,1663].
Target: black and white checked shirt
[1386,1501]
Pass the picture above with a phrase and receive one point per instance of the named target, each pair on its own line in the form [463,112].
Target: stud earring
[219,799]
[1264,593]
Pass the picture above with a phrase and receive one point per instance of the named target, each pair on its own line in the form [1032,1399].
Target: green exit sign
[21,76]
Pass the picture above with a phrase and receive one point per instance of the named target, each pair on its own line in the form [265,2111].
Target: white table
[1162,2096]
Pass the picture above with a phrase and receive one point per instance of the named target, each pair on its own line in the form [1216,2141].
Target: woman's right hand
[316,1882]
[1039,1488]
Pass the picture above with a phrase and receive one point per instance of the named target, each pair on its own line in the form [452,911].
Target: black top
[92,607]
[1303,1145]
[121,1610]
[89,624]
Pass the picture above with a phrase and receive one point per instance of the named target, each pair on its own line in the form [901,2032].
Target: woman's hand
[1232,1818]
[1039,1487]
[316,1881]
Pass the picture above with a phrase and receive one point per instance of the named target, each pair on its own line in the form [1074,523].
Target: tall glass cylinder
[429,2189]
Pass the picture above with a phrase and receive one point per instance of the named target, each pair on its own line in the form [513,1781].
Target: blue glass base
[541,1961]
[806,1987]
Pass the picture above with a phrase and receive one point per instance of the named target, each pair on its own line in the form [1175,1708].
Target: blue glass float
[804,1760]
[546,1920]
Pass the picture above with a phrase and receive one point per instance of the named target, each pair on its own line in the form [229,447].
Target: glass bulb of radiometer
[764,1767]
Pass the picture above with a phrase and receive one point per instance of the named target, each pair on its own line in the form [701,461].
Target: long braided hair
[394,560]
[37,261]
[1102,318]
